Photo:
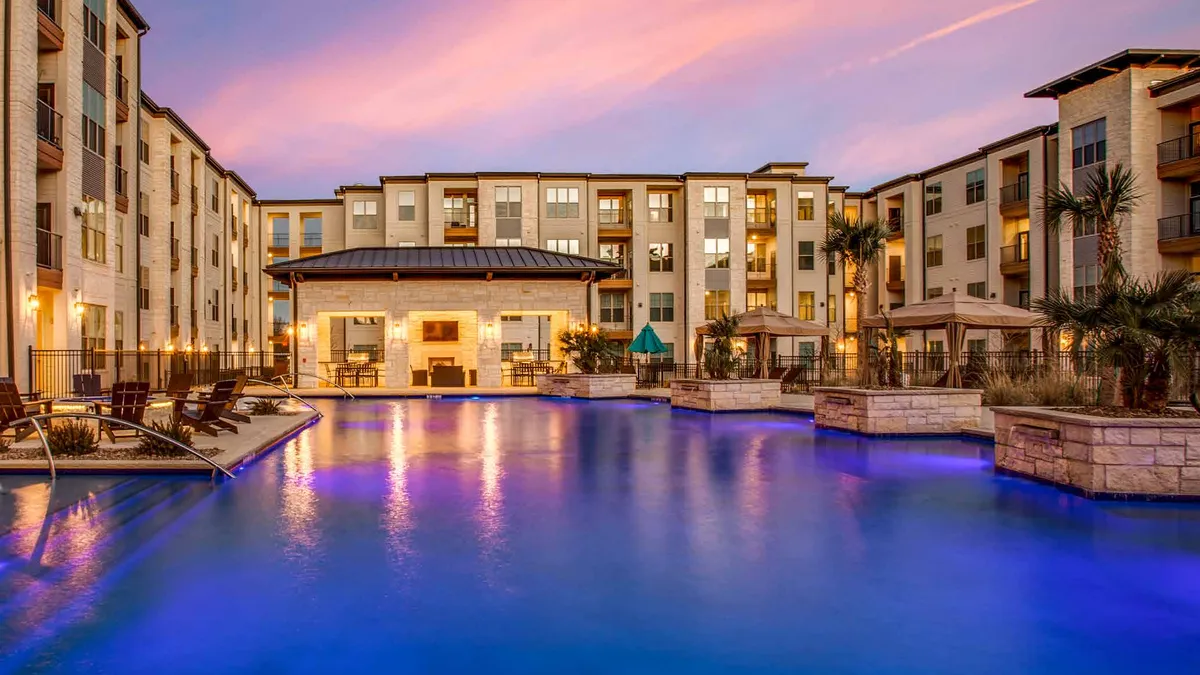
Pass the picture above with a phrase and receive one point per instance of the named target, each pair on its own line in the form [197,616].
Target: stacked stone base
[725,395]
[1101,457]
[587,386]
[897,411]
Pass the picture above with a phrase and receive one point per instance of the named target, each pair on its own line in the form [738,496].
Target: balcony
[122,187]
[1014,199]
[233,229]
[614,225]
[619,327]
[895,226]
[851,325]
[1179,157]
[195,200]
[280,240]
[459,229]
[234,279]
[760,273]
[760,219]
[245,283]
[49,132]
[175,320]
[622,280]
[49,259]
[174,254]
[1179,234]
[1023,298]
[195,262]
[895,277]
[174,187]
[309,242]
[122,91]
[50,32]
[1014,259]
[279,328]
[245,235]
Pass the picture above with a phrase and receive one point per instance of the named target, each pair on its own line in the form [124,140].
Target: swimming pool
[548,536]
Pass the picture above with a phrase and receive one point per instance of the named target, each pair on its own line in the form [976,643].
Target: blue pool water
[539,536]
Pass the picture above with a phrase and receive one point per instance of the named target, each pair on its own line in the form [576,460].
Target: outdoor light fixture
[169,347]
[141,346]
[290,331]
[80,309]
[203,349]
[303,334]
[489,331]
[188,349]
[399,332]
[34,302]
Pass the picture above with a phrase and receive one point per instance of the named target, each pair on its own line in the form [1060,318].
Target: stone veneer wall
[897,411]
[1098,455]
[587,386]
[725,395]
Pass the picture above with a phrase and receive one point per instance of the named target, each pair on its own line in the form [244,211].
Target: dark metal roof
[1130,58]
[1174,84]
[506,262]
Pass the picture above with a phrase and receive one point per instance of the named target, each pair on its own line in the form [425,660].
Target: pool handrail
[331,383]
[36,421]
[287,393]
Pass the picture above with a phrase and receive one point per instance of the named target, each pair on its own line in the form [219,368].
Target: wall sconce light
[303,333]
[250,347]
[290,330]
[489,331]
[188,348]
[169,347]
[399,332]
[80,309]
[34,302]
[141,346]
[204,349]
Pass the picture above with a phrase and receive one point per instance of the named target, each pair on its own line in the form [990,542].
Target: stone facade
[587,386]
[897,411]
[1101,456]
[725,395]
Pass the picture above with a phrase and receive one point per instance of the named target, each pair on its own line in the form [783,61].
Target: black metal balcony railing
[760,218]
[1176,149]
[626,264]
[50,9]
[195,200]
[1174,227]
[122,182]
[175,251]
[1016,253]
[760,269]
[1023,299]
[279,239]
[174,316]
[49,250]
[311,239]
[279,287]
[49,124]
[279,328]
[175,182]
[895,274]
[895,225]
[1015,193]
[614,219]
[122,87]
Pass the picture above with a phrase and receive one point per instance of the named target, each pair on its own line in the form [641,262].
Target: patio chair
[128,404]
[239,381]
[85,384]
[180,385]
[13,408]
[207,418]
[790,377]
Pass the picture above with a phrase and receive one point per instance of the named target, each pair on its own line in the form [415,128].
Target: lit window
[716,202]
[716,253]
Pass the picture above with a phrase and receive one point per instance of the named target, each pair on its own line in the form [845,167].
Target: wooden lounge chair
[207,417]
[180,385]
[128,404]
[230,414]
[85,385]
[790,377]
[13,408]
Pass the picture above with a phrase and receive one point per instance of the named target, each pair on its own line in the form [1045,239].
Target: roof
[1175,83]
[134,16]
[1021,137]
[1130,58]
[766,168]
[477,262]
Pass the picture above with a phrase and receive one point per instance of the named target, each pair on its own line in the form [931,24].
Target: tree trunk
[1108,252]
[860,302]
[1157,389]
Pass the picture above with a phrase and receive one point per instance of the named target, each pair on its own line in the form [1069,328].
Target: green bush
[720,361]
[72,438]
[590,351]
[265,406]
[155,447]
[1040,389]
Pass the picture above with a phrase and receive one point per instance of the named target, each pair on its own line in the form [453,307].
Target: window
[933,251]
[364,215]
[1084,228]
[407,199]
[508,202]
[614,253]
[562,202]
[979,345]
[758,299]
[118,331]
[95,245]
[612,308]
[280,231]
[661,258]
[662,306]
[933,198]
[93,326]
[1089,143]
[119,245]
[93,120]
[976,242]
[611,211]
[977,289]
[936,346]
[760,208]
[1086,280]
[214,202]
[144,289]
[804,206]
[215,254]
[311,227]
[365,321]
[831,314]
[807,349]
[716,202]
[664,357]
[512,318]
[660,206]
[508,242]
[95,13]
[806,256]
[805,305]
[570,246]
[215,315]
[716,304]
[935,292]
[975,186]
[716,253]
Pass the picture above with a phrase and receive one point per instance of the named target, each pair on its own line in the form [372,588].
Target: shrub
[1042,389]
[265,406]
[999,388]
[155,447]
[72,438]
[5,445]
[590,351]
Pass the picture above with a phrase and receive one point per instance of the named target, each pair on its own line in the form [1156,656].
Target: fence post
[30,386]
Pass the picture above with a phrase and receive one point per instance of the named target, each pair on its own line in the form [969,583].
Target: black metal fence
[55,373]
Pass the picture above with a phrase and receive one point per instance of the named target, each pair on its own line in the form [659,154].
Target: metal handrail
[36,421]
[329,382]
[288,394]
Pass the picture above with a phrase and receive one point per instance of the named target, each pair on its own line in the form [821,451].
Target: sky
[301,96]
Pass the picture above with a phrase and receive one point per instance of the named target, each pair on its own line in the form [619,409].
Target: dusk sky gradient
[300,96]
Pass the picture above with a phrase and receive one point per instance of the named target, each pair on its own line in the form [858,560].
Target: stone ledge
[725,395]
[899,412]
[1093,421]
[579,385]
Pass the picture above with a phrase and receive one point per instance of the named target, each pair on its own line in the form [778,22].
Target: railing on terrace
[53,372]
[1174,227]
[1018,252]
[280,239]
[311,240]
[760,269]
[1017,192]
[122,182]
[122,87]
[1176,149]
[49,124]
[49,250]
[50,9]
[354,355]
[533,354]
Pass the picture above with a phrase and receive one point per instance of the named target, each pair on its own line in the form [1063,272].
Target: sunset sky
[300,96]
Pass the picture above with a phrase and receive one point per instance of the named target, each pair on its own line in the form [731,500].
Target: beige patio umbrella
[764,323]
[955,312]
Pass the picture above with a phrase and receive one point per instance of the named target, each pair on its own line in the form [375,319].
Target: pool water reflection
[533,535]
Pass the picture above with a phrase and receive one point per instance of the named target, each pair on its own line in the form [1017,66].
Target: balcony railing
[174,253]
[174,316]
[49,124]
[50,9]
[1023,299]
[760,269]
[895,225]
[195,200]
[122,182]
[895,274]
[279,287]
[234,229]
[614,219]
[1176,149]
[49,250]
[1015,193]
[174,187]
[122,87]
[1016,253]
[760,218]
[311,240]
[234,279]
[1174,227]
[279,239]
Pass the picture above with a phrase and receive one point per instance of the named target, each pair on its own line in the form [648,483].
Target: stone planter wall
[725,395]
[897,411]
[587,386]
[1101,456]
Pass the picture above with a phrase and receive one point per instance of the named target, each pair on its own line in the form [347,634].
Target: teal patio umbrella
[647,342]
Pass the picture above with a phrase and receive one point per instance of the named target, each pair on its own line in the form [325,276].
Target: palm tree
[1143,328]
[861,244]
[1108,197]
[720,361]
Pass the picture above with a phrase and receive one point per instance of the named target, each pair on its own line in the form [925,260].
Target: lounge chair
[239,381]
[208,415]
[85,385]
[128,404]
[13,408]
[180,385]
